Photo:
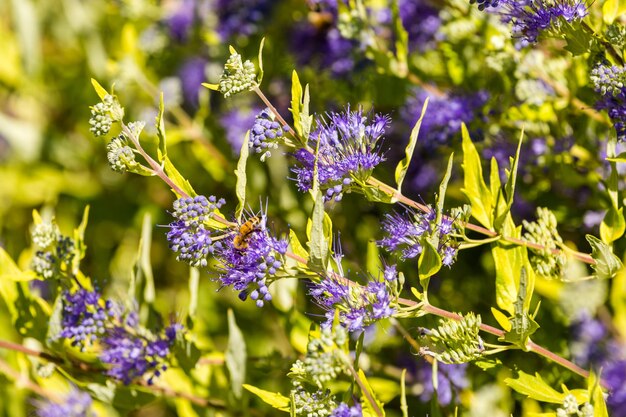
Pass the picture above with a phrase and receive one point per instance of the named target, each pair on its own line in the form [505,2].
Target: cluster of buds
[544,232]
[103,115]
[454,341]
[238,76]
[55,251]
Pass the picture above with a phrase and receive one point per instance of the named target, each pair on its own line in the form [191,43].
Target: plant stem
[156,167]
[166,391]
[364,389]
[583,257]
[22,380]
[482,230]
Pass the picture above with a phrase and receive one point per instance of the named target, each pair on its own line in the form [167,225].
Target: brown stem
[156,167]
[22,380]
[479,229]
[5,344]
[269,104]
[366,392]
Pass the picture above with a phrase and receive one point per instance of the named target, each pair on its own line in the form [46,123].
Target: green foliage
[474,186]
[403,165]
[606,263]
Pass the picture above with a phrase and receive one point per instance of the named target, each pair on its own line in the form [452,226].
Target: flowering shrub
[377,208]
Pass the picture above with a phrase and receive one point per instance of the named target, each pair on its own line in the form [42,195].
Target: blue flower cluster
[344,410]
[129,350]
[406,234]
[266,133]
[594,346]
[132,354]
[444,115]
[250,267]
[241,17]
[85,316]
[248,256]
[609,82]
[530,18]
[75,404]
[358,306]
[451,379]
[349,149]
[189,235]
[236,123]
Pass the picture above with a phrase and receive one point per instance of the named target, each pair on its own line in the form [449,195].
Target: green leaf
[367,406]
[240,173]
[597,396]
[475,188]
[607,264]
[317,244]
[375,194]
[403,165]
[621,158]
[441,197]
[194,283]
[509,259]
[502,320]
[144,261]
[612,9]
[579,41]
[274,399]
[177,178]
[235,356]
[429,261]
[54,325]
[296,246]
[101,91]
[613,225]
[296,96]
[535,387]
[522,325]
[260,76]
[160,129]
[214,87]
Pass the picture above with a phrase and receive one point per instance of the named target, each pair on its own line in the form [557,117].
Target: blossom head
[405,234]
[130,355]
[85,316]
[266,133]
[189,235]
[359,306]
[251,259]
[348,150]
[75,404]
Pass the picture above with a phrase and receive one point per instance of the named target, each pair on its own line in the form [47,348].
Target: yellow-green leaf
[474,186]
[274,399]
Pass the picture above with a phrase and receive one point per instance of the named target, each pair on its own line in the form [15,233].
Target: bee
[242,238]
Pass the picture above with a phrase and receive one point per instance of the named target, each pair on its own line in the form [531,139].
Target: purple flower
[237,122]
[344,410]
[191,75]
[349,149]
[609,83]
[249,265]
[189,235]
[532,17]
[405,234]
[266,133]
[181,20]
[75,404]
[615,376]
[451,380]
[131,355]
[85,316]
[444,115]
[324,47]
[359,306]
[241,17]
